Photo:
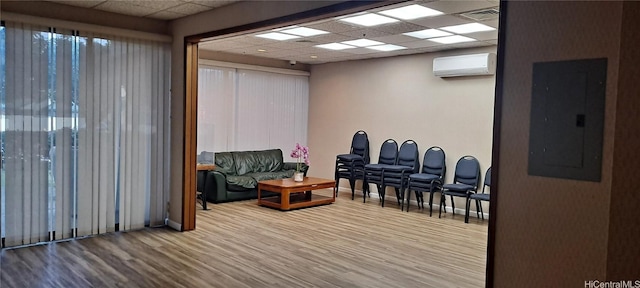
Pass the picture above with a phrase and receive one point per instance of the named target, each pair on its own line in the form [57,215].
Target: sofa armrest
[294,165]
[216,186]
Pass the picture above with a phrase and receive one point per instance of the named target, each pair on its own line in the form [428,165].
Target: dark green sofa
[237,174]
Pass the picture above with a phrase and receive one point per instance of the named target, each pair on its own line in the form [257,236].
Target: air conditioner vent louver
[482,15]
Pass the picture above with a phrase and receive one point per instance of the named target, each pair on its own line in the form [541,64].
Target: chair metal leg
[478,210]
[430,203]
[453,205]
[352,184]
[442,201]
[381,192]
[466,214]
[409,199]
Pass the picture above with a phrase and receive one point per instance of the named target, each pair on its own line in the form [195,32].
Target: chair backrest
[434,162]
[487,179]
[468,171]
[388,152]
[408,155]
[360,145]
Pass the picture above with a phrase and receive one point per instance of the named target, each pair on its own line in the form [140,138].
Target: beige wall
[251,60]
[399,98]
[552,232]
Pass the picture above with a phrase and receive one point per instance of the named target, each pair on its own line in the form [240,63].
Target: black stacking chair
[481,196]
[351,166]
[373,172]
[431,178]
[397,176]
[465,182]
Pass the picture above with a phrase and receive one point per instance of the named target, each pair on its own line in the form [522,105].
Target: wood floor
[345,244]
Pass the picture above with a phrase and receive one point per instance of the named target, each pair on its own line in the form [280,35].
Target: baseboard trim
[175,225]
[448,209]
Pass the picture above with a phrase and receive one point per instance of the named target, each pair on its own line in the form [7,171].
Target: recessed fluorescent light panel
[414,11]
[369,20]
[304,31]
[335,46]
[427,33]
[387,47]
[452,39]
[467,28]
[277,36]
[362,42]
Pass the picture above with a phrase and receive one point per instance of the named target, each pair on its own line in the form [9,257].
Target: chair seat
[458,187]
[376,166]
[483,197]
[397,168]
[423,177]
[349,157]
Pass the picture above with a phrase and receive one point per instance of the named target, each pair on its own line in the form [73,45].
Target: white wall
[399,98]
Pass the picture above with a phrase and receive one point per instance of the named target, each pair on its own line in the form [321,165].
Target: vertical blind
[85,129]
[241,109]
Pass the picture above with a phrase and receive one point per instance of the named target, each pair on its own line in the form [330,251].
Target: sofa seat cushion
[259,176]
[241,182]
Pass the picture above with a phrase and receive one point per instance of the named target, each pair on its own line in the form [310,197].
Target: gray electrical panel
[567,119]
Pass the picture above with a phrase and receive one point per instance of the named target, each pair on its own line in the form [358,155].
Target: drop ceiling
[305,50]
[156,9]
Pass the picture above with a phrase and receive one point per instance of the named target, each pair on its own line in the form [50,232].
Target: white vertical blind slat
[122,124]
[251,110]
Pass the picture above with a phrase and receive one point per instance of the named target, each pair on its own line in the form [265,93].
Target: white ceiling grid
[302,49]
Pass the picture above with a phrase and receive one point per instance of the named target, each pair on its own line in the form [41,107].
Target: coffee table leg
[307,195]
[284,200]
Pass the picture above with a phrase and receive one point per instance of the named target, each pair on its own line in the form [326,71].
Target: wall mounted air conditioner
[465,65]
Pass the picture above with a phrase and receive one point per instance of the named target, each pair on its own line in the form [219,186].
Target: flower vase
[298,176]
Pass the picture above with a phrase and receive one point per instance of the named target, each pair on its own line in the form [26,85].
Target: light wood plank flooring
[345,244]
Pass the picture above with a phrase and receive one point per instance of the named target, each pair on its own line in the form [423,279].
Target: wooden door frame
[190,136]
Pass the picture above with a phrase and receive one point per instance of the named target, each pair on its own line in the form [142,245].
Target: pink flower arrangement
[302,154]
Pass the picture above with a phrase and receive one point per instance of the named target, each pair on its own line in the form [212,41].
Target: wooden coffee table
[293,195]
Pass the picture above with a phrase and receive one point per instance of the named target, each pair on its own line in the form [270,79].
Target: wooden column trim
[190,128]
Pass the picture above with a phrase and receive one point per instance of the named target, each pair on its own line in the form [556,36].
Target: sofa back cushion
[225,163]
[258,161]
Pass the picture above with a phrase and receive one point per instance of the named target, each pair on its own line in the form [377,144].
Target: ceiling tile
[440,21]
[487,35]
[189,8]
[80,3]
[223,45]
[126,8]
[329,38]
[457,6]
[399,28]
[395,39]
[493,23]
[360,51]
[160,5]
[332,26]
[365,33]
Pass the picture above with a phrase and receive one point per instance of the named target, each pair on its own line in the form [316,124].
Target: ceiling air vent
[305,41]
[483,14]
